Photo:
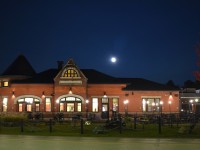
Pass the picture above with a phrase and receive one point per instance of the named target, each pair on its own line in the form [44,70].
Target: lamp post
[87,101]
[191,109]
[126,107]
[161,103]
[170,102]
[196,101]
[153,105]
[170,117]
[160,117]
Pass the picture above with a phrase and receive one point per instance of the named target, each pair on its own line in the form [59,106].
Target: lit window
[20,107]
[20,100]
[104,100]
[5,103]
[61,107]
[29,107]
[115,104]
[48,104]
[70,107]
[70,73]
[150,104]
[95,104]
[28,104]
[29,100]
[70,99]
[79,107]
[37,107]
[5,83]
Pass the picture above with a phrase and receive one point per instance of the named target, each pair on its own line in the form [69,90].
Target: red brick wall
[93,90]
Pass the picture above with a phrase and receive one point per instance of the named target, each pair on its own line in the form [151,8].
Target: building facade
[69,89]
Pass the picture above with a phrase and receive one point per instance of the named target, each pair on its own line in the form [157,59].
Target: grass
[73,129]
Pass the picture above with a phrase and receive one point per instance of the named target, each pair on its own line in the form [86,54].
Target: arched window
[28,104]
[70,73]
[70,104]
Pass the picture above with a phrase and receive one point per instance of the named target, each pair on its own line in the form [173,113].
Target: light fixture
[87,101]
[169,102]
[126,94]
[170,96]
[126,102]
[161,102]
[104,95]
[43,94]
[70,90]
[13,94]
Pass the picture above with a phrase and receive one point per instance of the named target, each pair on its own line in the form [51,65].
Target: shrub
[12,117]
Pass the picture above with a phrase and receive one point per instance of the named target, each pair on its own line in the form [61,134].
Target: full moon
[113,59]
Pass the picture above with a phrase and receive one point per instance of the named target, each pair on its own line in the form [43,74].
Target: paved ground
[9,142]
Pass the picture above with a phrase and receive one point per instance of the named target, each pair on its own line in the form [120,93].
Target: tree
[170,83]
[189,84]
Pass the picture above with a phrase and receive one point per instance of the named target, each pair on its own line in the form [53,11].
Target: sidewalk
[8,142]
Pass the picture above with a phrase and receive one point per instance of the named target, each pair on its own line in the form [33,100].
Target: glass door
[105,108]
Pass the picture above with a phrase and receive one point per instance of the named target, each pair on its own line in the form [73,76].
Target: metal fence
[77,124]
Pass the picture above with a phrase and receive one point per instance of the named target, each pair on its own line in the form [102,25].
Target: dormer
[70,74]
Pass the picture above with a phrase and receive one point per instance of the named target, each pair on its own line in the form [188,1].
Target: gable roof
[20,66]
[97,77]
[143,84]
[46,76]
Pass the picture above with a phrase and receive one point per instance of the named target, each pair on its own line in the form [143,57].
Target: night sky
[152,39]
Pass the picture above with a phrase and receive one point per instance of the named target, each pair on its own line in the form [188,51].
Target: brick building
[71,90]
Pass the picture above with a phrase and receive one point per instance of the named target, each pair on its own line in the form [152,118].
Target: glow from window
[37,107]
[5,83]
[104,100]
[95,104]
[29,108]
[48,104]
[79,107]
[61,107]
[70,99]
[20,107]
[5,103]
[70,73]
[150,104]
[115,104]
[70,107]
[29,100]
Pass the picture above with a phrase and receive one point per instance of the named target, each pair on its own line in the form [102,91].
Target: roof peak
[20,66]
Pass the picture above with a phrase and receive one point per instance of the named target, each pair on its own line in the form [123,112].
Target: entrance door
[105,111]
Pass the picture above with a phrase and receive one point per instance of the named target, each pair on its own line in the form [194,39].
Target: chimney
[60,64]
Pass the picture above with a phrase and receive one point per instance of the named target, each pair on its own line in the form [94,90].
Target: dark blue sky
[153,39]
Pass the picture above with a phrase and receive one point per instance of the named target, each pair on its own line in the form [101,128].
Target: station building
[70,90]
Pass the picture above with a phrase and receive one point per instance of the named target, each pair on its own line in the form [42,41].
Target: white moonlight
[113,59]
